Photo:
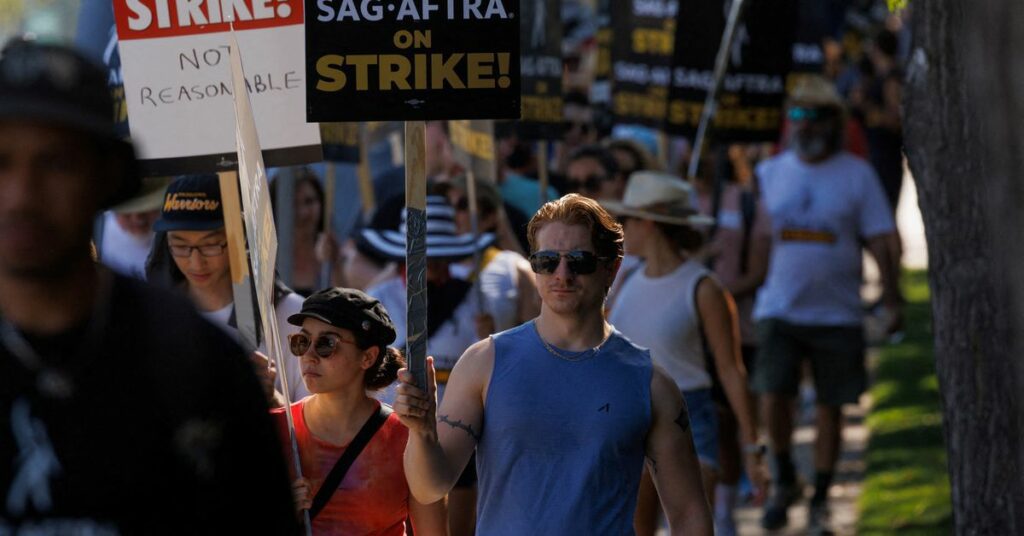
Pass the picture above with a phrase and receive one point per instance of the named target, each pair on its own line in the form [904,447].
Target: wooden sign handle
[416,250]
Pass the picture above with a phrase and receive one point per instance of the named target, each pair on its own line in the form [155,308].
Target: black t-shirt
[161,427]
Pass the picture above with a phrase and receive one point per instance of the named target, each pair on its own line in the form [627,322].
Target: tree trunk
[966,160]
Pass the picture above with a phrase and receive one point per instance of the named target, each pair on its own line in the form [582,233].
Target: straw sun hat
[658,196]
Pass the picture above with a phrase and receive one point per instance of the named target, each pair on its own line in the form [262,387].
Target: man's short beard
[818,146]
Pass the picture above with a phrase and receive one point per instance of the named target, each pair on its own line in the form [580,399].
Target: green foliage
[906,490]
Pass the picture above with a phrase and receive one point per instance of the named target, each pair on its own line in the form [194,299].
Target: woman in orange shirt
[343,353]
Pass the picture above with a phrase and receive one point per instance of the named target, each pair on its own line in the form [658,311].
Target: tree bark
[962,136]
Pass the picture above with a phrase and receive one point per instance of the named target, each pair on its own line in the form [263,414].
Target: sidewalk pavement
[845,489]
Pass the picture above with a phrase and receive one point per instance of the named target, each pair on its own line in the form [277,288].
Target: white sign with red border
[177,80]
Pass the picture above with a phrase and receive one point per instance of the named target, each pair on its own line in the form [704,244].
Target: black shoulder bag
[337,473]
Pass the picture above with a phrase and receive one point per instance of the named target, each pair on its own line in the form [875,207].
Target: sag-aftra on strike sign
[412,59]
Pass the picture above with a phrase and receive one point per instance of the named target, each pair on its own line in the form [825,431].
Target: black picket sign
[541,68]
[754,88]
[412,60]
[643,34]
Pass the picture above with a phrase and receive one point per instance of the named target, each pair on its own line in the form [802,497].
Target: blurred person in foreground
[824,204]
[121,410]
[571,407]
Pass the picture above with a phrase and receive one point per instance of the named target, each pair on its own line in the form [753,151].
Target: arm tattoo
[468,428]
[653,464]
[683,420]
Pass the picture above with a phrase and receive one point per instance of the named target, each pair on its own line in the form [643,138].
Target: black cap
[350,309]
[192,203]
[57,85]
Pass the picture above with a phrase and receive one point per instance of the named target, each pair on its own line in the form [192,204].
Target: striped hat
[442,241]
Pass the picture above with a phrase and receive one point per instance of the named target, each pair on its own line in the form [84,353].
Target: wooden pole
[238,260]
[416,250]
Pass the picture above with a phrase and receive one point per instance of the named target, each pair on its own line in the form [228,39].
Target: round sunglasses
[324,345]
[580,262]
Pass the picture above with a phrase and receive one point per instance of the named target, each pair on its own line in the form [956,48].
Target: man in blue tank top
[562,410]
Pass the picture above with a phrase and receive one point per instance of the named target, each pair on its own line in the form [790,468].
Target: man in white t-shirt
[825,206]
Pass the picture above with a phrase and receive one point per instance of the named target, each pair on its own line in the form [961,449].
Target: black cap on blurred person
[350,309]
[56,85]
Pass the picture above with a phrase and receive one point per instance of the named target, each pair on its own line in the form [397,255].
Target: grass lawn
[906,489]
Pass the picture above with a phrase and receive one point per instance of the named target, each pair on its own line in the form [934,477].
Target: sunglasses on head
[580,262]
[324,346]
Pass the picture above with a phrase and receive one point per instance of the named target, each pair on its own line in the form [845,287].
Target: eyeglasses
[580,262]
[324,346]
[205,251]
[590,183]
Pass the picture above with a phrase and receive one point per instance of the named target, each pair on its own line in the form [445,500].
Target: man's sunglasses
[324,346]
[580,262]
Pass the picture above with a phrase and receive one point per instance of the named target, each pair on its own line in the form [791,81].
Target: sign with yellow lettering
[601,90]
[177,81]
[412,60]
[754,87]
[643,36]
[341,140]
[541,39]
[473,147]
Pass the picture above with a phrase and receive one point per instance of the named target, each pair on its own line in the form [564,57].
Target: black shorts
[836,354]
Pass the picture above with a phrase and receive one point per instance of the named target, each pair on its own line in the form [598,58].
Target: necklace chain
[580,355]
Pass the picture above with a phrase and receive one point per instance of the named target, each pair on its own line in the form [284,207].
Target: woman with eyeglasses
[343,351]
[191,255]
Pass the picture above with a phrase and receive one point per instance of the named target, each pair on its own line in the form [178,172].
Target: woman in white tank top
[672,304]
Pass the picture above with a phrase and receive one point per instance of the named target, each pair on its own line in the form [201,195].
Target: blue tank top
[563,438]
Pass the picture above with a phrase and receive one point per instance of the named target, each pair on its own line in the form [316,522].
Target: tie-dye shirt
[373,498]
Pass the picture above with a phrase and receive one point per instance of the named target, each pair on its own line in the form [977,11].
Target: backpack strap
[337,474]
